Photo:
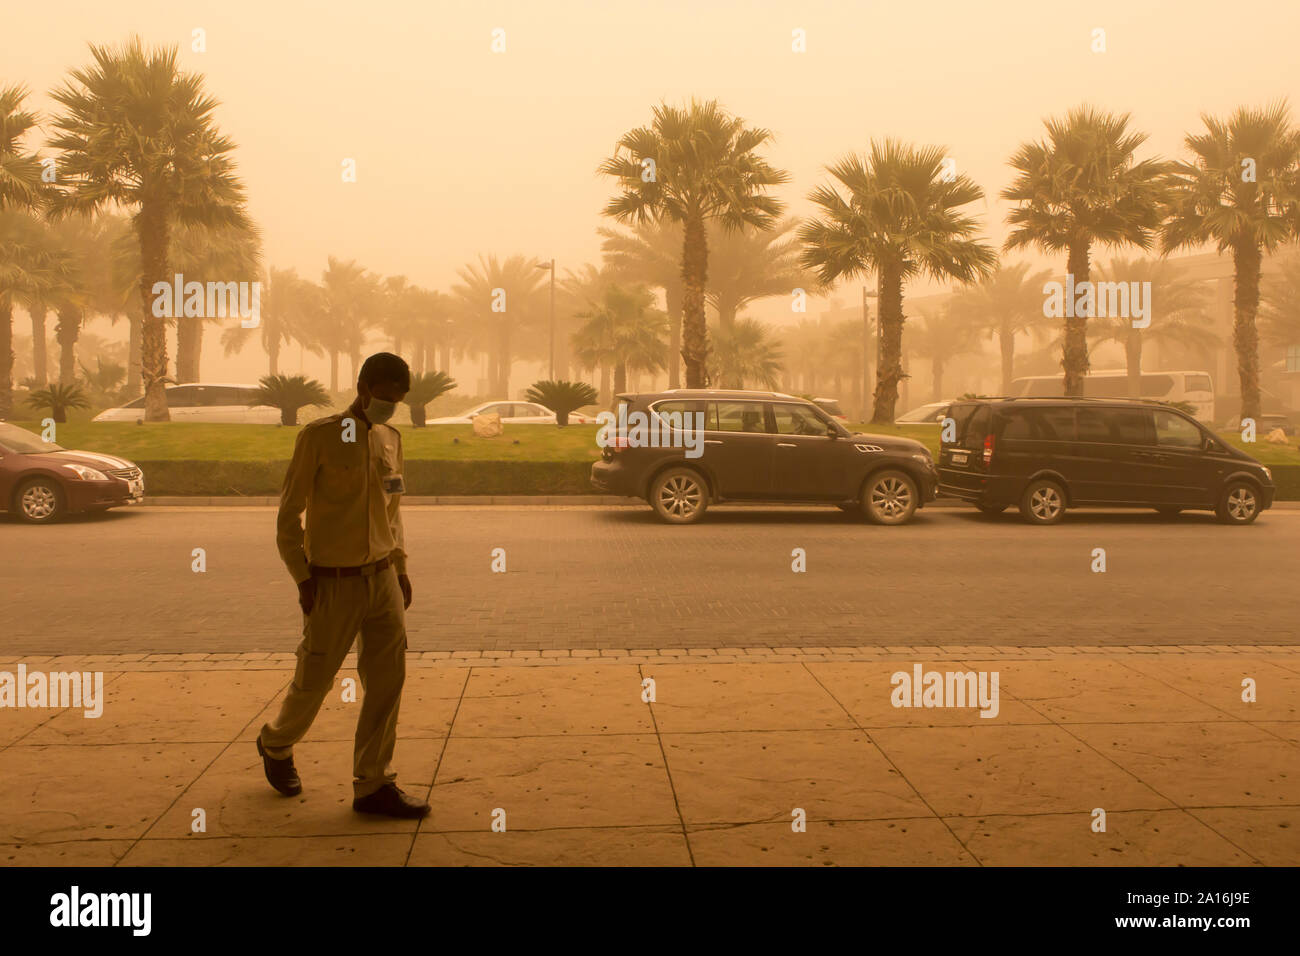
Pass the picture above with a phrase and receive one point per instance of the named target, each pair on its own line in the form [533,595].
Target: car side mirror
[832,431]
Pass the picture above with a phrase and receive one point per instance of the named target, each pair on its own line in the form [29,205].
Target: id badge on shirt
[394,485]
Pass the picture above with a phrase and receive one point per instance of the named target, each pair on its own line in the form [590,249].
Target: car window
[735,417]
[250,396]
[1176,431]
[1118,426]
[1049,423]
[138,403]
[797,420]
[1197,383]
[183,396]
[500,408]
[972,424]
[215,395]
[674,414]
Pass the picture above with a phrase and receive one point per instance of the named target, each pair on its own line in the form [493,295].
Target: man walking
[350,568]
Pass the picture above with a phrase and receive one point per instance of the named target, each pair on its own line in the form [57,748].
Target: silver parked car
[194,402]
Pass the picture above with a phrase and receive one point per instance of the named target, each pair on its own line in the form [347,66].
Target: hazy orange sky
[460,150]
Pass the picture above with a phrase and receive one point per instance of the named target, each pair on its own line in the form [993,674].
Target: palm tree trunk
[40,360]
[889,364]
[936,377]
[68,331]
[1074,352]
[444,360]
[189,343]
[152,230]
[503,363]
[1133,361]
[334,370]
[134,340]
[606,398]
[6,357]
[273,355]
[417,416]
[1245,336]
[673,298]
[620,378]
[695,333]
[1007,346]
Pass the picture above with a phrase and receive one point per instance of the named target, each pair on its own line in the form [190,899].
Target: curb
[529,500]
[262,660]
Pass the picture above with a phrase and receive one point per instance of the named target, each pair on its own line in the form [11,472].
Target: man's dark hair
[385,367]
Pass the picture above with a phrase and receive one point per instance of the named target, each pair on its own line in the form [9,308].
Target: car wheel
[991,509]
[1043,502]
[889,497]
[679,496]
[1239,503]
[39,500]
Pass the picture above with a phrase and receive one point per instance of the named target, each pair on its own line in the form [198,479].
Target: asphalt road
[591,577]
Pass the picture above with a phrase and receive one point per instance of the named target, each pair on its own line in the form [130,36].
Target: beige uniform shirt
[351,492]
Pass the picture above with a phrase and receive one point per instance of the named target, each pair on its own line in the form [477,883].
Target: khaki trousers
[372,605]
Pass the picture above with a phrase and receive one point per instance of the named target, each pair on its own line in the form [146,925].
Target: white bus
[1195,388]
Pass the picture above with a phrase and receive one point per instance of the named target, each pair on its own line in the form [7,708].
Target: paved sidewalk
[710,773]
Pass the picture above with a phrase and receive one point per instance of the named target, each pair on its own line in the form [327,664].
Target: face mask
[380,411]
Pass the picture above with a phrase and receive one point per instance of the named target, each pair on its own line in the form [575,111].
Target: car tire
[1043,502]
[39,500]
[991,509]
[889,497]
[1239,503]
[679,496]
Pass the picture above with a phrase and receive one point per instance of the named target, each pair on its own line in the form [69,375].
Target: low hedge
[262,478]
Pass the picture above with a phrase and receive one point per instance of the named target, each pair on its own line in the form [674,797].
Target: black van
[1046,455]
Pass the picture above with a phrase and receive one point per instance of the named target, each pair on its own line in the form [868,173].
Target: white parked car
[219,403]
[512,413]
[932,413]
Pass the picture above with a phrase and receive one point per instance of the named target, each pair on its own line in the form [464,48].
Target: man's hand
[405,584]
[307,595]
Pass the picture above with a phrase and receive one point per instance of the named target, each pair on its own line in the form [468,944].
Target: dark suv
[1046,455]
[755,446]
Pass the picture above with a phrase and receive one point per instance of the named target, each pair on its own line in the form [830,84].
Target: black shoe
[389,801]
[280,773]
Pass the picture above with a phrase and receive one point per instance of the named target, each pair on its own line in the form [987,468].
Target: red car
[40,481]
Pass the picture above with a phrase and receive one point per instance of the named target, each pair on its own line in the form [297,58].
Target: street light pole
[550,375]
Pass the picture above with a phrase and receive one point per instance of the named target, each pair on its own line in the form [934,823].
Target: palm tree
[1241,191]
[941,336]
[425,387]
[624,333]
[746,265]
[502,302]
[342,313]
[290,393]
[138,133]
[1178,315]
[899,220]
[562,397]
[651,255]
[1005,304]
[58,399]
[287,303]
[691,166]
[1080,186]
[20,192]
[745,355]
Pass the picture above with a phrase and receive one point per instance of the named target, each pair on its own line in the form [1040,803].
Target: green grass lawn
[204,442]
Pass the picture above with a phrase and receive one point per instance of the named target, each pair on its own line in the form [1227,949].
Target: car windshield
[22,442]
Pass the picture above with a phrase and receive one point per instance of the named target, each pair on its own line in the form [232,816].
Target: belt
[364,569]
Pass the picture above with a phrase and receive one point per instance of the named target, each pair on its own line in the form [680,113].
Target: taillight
[988,449]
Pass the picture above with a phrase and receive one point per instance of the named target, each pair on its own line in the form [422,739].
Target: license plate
[959,458]
[136,488]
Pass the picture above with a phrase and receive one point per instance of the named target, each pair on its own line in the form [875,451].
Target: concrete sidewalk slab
[776,759]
